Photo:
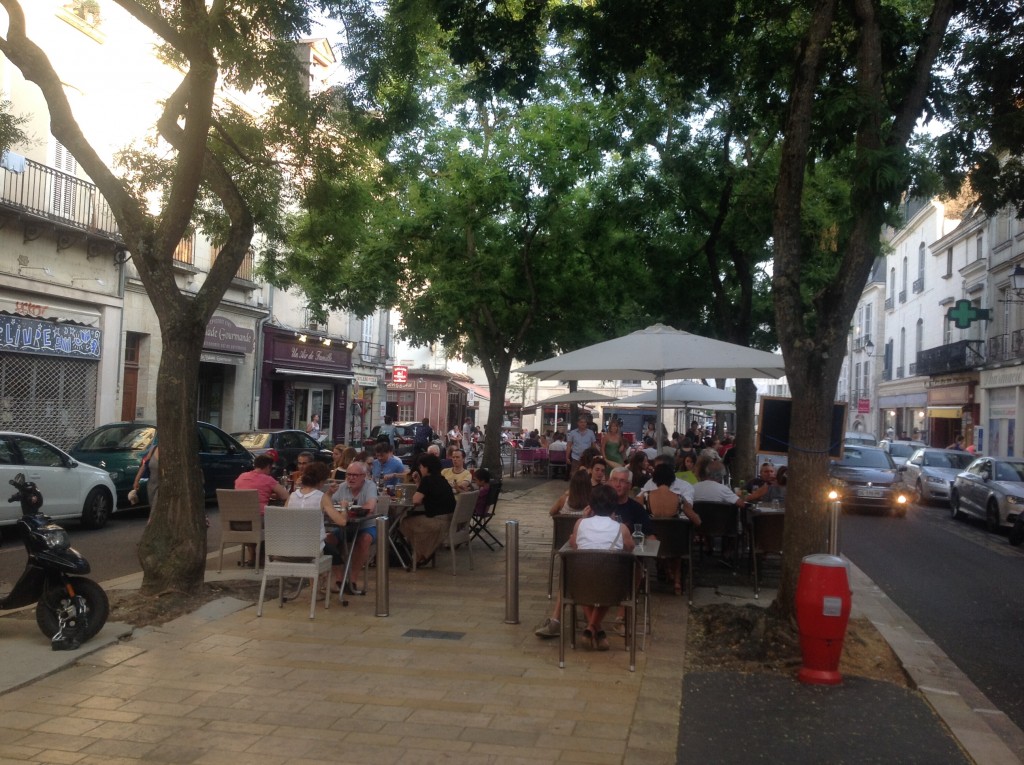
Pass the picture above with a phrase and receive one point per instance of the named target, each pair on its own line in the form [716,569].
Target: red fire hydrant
[822,612]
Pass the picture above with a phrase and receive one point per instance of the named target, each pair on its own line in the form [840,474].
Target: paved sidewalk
[441,678]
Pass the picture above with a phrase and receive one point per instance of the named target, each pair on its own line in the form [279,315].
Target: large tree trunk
[497,382]
[743,459]
[173,547]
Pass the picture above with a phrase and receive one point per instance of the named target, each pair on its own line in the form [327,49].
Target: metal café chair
[720,520]
[676,537]
[766,532]
[598,578]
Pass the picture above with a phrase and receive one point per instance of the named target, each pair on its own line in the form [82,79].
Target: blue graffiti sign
[23,335]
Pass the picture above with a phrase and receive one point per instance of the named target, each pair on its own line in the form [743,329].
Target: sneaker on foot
[601,641]
[549,629]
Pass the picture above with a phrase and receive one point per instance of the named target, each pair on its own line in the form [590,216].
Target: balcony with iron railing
[247,268]
[918,285]
[999,347]
[888,304]
[48,194]
[955,357]
[903,296]
[899,373]
[373,353]
[886,374]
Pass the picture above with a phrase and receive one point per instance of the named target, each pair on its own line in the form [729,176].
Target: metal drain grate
[434,634]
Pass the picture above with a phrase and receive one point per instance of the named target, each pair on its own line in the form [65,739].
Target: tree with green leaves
[495,227]
[206,166]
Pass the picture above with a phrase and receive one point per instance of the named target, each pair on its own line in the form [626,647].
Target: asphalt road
[111,551]
[959,583]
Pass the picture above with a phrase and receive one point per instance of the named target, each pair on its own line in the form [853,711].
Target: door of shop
[313,399]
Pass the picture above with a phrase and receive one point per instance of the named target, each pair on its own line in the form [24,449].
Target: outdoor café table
[762,528]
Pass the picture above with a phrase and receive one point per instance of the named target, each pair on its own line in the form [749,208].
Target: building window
[949,261]
[406,406]
[903,352]
[980,252]
[892,283]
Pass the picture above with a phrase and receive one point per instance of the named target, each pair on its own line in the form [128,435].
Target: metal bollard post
[511,572]
[383,567]
[833,523]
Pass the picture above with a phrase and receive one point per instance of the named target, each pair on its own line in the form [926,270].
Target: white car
[900,451]
[931,472]
[991,488]
[70,489]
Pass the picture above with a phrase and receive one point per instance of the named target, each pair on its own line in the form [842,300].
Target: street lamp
[1016,285]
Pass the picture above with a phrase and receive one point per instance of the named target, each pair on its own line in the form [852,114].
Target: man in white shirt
[711,489]
[578,441]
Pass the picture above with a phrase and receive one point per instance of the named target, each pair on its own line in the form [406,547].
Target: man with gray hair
[711,489]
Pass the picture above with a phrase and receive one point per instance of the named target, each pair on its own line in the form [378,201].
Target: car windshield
[901,450]
[947,460]
[1010,471]
[253,440]
[119,438]
[865,458]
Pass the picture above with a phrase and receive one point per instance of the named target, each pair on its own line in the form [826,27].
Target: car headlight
[839,483]
[56,538]
[901,498]
[1014,500]
[935,479]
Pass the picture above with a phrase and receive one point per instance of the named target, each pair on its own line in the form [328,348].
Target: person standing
[578,441]
[423,436]
[611,444]
[313,428]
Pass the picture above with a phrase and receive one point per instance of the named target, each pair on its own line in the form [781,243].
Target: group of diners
[611,500]
[347,491]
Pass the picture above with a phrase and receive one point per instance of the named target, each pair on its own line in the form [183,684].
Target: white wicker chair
[292,541]
[240,521]
[460,530]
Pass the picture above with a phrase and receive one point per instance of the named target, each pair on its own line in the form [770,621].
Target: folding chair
[598,578]
[481,519]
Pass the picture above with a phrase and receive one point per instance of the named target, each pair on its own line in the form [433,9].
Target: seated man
[357,491]
[266,486]
[765,488]
[387,466]
[710,488]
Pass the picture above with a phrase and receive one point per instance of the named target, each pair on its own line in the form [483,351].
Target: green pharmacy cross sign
[963,314]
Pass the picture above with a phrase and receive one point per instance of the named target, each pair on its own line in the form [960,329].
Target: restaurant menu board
[773,426]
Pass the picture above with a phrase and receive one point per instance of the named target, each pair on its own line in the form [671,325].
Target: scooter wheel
[55,599]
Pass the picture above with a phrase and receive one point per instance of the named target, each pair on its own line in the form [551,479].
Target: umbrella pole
[661,399]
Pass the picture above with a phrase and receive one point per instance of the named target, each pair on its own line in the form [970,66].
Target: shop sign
[24,335]
[224,335]
[863,406]
[400,375]
[366,381]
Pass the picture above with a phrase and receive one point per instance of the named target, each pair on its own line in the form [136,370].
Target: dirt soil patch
[747,639]
[140,610]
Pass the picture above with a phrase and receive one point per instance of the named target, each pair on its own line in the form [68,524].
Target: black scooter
[70,609]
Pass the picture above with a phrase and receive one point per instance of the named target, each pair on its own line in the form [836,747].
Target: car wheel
[992,516]
[96,511]
[1017,532]
[954,503]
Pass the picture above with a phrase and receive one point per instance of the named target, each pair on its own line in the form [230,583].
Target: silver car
[70,489]
[930,472]
[900,451]
[991,488]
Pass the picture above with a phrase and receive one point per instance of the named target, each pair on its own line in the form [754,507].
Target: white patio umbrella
[658,353]
[682,395]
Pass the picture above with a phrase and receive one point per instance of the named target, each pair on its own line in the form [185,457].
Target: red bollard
[822,611]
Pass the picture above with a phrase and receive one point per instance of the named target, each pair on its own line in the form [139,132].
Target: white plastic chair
[461,529]
[293,545]
[240,521]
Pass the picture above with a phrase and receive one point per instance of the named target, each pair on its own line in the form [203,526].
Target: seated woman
[483,483]
[599,531]
[424,526]
[685,467]
[576,498]
[311,494]
[662,502]
[639,469]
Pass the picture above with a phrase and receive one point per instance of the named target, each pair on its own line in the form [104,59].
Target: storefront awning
[481,391]
[952,412]
[221,357]
[309,373]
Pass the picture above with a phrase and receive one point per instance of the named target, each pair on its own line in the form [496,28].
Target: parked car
[991,488]
[119,448]
[930,472]
[867,477]
[859,438]
[404,439]
[900,451]
[70,489]
[287,443]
